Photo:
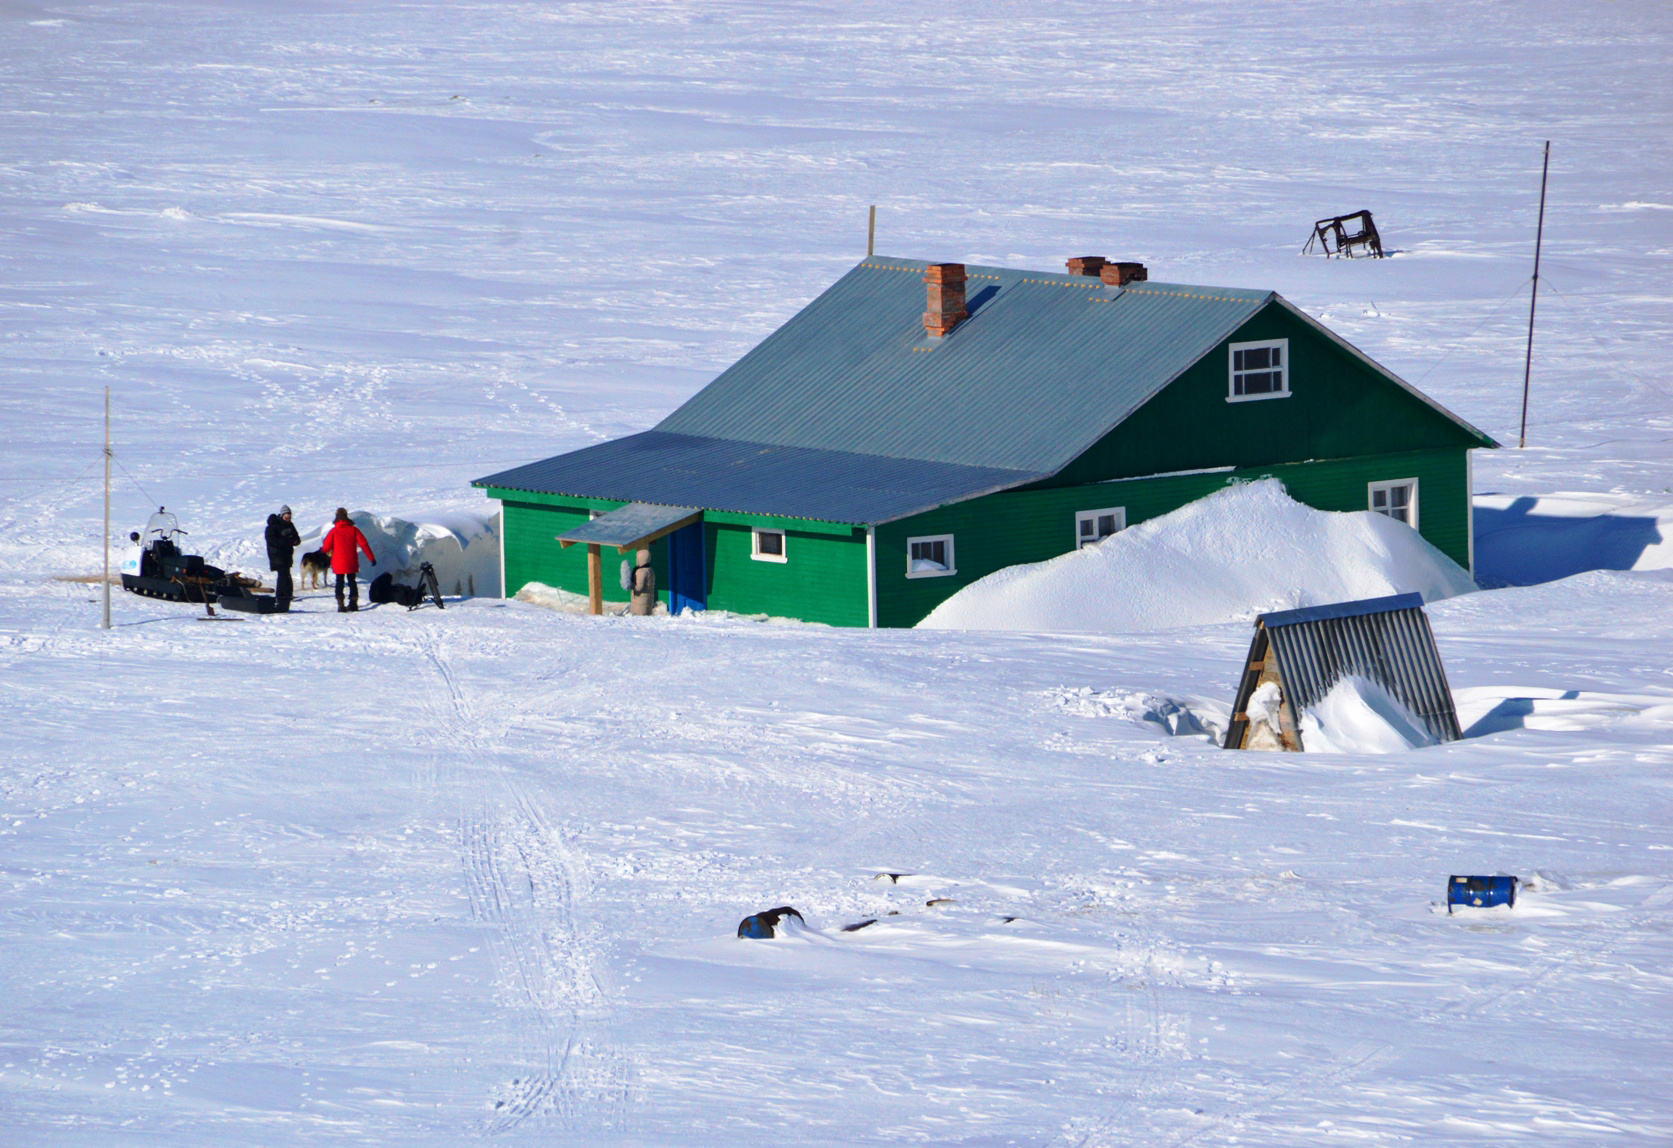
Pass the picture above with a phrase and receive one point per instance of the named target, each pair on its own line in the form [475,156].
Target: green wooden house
[918,426]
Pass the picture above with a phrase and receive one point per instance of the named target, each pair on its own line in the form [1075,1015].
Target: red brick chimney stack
[946,298]
[1086,265]
[1121,274]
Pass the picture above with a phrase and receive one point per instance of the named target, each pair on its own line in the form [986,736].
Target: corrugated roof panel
[754,478]
[628,524]
[1342,609]
[1392,646]
[854,370]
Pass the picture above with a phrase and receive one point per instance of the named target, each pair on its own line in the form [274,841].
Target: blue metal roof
[854,371]
[1342,610]
[849,412]
[753,478]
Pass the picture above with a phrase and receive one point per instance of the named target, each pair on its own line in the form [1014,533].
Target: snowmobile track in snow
[519,872]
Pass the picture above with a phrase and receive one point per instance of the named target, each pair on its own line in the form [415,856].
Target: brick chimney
[1121,274]
[946,298]
[1086,265]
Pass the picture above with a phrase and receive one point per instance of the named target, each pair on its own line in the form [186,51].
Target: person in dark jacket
[282,541]
[343,542]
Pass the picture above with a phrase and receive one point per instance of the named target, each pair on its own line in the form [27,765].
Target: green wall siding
[1031,526]
[1338,407]
[533,553]
[823,579]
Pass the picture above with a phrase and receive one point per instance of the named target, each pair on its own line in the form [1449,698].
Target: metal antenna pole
[871,232]
[104,624]
[1533,301]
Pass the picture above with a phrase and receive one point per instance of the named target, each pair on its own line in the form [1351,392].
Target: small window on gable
[1259,371]
[768,546]
[1397,499]
[1093,526]
[930,556]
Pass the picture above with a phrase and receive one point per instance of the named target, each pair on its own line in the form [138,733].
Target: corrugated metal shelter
[1306,652]
[860,443]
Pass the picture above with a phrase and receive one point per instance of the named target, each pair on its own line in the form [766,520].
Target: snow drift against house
[462,546]
[1239,552]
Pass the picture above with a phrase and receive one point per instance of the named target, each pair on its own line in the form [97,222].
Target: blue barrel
[1480,892]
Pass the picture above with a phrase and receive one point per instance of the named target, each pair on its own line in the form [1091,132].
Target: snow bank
[1239,552]
[567,602]
[1359,716]
[462,546]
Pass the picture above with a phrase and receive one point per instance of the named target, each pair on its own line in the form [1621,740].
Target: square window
[768,546]
[930,556]
[1093,526]
[1397,499]
[1259,371]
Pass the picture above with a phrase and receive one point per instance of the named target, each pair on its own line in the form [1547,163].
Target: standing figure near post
[282,541]
[644,586]
[343,543]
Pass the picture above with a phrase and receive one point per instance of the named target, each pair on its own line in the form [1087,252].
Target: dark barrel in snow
[1480,892]
[763,926]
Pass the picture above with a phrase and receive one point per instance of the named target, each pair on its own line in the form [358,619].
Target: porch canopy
[626,528]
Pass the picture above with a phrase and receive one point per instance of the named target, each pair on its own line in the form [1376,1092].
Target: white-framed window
[1397,499]
[930,556]
[1093,526]
[1259,371]
[768,546]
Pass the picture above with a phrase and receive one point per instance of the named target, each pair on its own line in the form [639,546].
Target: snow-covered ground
[433,877]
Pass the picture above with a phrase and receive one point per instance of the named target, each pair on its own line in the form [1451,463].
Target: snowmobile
[156,567]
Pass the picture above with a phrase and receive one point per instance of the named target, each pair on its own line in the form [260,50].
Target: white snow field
[1235,554]
[442,877]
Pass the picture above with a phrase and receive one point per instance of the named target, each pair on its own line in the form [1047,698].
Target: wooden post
[104,623]
[595,579]
[1533,300]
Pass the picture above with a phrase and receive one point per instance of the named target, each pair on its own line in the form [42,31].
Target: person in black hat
[282,541]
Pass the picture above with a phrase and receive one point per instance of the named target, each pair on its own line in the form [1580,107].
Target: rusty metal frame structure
[1341,234]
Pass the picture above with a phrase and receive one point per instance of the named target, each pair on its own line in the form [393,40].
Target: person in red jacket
[343,542]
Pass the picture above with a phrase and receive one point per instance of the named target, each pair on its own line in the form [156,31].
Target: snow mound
[568,602]
[462,546]
[1237,553]
[1359,716]
[1178,717]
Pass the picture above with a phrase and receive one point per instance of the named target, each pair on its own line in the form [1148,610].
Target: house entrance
[687,569]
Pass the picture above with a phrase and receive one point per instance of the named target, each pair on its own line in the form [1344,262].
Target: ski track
[521,872]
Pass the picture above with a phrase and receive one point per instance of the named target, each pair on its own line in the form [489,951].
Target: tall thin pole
[104,624]
[1533,301]
[871,232]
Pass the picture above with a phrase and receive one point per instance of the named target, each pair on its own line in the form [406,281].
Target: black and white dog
[316,570]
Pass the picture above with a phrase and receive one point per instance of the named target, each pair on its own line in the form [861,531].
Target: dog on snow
[316,570]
